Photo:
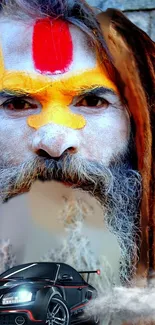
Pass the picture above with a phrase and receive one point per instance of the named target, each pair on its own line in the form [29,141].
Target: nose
[53,140]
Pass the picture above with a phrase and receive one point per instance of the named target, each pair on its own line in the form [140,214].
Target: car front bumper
[18,317]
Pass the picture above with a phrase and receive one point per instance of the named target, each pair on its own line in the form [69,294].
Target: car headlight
[17,297]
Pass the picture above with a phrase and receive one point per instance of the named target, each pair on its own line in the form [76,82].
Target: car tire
[58,312]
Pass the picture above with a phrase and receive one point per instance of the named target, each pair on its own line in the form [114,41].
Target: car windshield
[43,270]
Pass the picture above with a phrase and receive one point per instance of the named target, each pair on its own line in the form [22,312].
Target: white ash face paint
[106,133]
[16,41]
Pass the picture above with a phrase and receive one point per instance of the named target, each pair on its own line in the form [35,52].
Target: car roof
[46,263]
[25,266]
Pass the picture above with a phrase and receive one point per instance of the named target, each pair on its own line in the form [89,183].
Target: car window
[66,269]
[34,270]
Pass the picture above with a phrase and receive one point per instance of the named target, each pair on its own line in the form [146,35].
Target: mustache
[72,169]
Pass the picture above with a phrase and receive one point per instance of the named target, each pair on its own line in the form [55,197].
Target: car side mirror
[65,277]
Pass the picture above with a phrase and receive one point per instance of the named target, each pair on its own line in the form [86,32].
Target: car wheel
[58,313]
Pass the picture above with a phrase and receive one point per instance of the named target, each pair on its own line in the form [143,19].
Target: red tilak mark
[52,46]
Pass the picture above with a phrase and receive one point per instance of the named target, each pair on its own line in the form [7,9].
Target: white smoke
[125,304]
[7,257]
[115,304]
[76,251]
[119,304]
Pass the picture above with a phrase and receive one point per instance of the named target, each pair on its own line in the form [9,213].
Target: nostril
[71,150]
[43,153]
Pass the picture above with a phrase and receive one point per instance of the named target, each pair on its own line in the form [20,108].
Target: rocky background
[140,12]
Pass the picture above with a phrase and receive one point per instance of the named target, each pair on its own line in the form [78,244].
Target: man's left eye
[93,101]
[18,104]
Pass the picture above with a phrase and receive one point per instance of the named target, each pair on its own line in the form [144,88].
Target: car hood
[7,285]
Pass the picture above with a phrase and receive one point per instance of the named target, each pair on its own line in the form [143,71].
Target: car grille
[9,319]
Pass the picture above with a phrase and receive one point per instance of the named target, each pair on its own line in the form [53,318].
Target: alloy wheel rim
[57,316]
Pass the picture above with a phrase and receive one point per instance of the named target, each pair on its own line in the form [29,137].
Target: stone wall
[140,12]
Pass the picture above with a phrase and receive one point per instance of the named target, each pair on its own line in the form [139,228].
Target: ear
[133,54]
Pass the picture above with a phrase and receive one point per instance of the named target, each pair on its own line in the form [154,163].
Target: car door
[73,289]
[73,293]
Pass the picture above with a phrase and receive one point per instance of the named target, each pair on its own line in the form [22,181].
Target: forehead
[51,47]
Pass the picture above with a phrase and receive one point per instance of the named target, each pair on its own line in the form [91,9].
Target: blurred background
[140,12]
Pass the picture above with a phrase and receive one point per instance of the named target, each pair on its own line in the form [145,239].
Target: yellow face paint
[55,96]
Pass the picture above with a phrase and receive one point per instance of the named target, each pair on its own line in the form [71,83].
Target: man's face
[98,130]
[61,118]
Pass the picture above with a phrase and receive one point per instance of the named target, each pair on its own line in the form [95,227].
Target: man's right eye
[18,104]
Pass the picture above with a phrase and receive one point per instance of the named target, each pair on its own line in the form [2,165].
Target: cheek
[106,136]
[14,141]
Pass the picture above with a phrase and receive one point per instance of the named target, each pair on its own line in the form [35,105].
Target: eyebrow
[10,93]
[93,91]
[98,91]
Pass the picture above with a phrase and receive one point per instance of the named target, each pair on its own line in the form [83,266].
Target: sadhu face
[55,98]
[61,118]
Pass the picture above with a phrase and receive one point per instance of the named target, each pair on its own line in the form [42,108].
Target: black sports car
[45,293]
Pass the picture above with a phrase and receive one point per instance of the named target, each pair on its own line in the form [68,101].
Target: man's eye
[93,101]
[18,104]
